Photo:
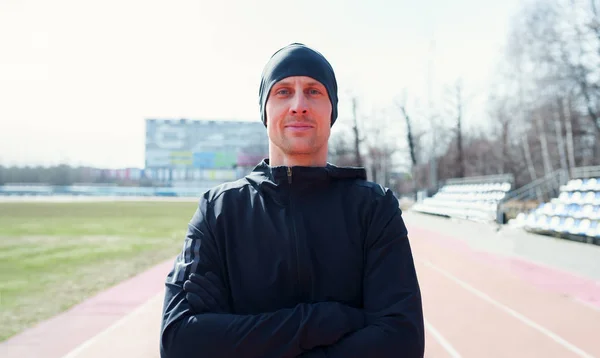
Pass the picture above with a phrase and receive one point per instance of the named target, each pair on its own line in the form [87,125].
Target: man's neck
[310,160]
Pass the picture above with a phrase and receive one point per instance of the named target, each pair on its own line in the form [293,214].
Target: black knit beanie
[297,60]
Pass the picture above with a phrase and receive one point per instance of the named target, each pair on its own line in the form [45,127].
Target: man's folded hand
[206,293]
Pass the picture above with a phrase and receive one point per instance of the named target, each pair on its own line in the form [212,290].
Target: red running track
[481,305]
[476,305]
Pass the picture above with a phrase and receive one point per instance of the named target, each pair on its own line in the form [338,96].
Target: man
[300,257]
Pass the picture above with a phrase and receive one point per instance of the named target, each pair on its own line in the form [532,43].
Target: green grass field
[54,255]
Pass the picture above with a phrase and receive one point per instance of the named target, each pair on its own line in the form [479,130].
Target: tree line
[60,175]
[543,110]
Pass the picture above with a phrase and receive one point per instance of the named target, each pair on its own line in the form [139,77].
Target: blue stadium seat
[557,223]
[586,212]
[592,184]
[572,210]
[572,225]
[560,209]
[584,184]
[597,185]
[547,209]
[588,197]
[595,214]
[577,198]
[579,227]
[594,229]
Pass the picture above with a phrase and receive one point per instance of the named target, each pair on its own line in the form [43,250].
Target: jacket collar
[301,176]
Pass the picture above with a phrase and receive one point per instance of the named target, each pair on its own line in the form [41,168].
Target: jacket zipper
[294,233]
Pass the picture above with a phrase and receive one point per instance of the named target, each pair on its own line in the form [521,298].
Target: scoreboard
[196,150]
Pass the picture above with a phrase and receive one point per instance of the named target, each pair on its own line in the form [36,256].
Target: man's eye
[314,91]
[282,92]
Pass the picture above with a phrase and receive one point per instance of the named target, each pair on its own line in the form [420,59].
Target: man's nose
[299,104]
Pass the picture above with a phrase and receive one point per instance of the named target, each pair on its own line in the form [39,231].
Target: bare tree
[341,150]
[569,128]
[564,47]
[457,102]
[560,143]
[357,137]
[409,136]
[545,108]
[502,118]
[381,145]
[544,143]
[412,139]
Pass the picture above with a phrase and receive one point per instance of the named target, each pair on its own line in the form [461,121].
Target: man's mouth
[299,128]
[299,125]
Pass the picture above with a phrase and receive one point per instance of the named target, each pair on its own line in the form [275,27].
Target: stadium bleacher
[471,198]
[574,214]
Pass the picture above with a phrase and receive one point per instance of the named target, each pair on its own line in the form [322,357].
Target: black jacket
[316,261]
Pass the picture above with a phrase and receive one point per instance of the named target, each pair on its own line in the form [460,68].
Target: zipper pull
[289,173]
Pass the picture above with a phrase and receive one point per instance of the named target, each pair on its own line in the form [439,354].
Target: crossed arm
[197,322]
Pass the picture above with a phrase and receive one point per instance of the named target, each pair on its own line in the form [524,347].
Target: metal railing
[547,187]
[544,189]
[500,178]
[585,172]
[541,189]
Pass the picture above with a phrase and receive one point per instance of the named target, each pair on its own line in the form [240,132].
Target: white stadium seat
[575,211]
[574,184]
[564,197]
[475,201]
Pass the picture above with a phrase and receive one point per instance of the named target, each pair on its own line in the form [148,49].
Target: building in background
[201,153]
[182,158]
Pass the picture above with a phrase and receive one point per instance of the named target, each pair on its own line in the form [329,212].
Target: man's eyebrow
[315,83]
[282,83]
[287,83]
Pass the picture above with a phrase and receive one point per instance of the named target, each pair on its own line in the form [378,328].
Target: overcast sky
[78,78]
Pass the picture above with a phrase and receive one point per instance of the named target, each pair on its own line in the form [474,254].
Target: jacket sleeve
[281,333]
[392,297]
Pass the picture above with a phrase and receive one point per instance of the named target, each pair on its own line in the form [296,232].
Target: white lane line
[123,320]
[586,304]
[510,311]
[441,340]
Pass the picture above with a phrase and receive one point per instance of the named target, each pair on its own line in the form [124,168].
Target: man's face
[299,116]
